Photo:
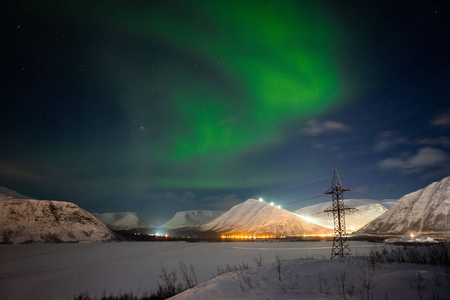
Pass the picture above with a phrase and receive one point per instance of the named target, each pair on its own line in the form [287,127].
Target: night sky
[162,106]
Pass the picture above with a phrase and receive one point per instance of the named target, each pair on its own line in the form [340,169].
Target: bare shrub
[243,266]
[277,265]
[365,280]
[340,283]
[244,279]
[227,269]
[309,285]
[350,289]
[417,283]
[188,275]
[322,284]
[293,281]
[259,261]
[169,286]
[420,285]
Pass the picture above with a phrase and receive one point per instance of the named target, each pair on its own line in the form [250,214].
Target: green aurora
[260,66]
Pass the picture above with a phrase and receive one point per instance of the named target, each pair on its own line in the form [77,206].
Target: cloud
[425,158]
[439,141]
[442,120]
[387,140]
[315,128]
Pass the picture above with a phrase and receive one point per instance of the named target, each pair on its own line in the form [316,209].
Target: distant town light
[271,203]
[279,206]
[260,199]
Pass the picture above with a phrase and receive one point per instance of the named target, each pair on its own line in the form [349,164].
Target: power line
[306,199]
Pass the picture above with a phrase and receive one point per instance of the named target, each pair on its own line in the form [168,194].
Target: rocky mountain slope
[423,212]
[35,221]
[254,217]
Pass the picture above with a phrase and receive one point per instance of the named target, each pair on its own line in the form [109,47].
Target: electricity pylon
[340,243]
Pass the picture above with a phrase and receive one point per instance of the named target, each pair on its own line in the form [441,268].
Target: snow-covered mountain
[256,217]
[191,218]
[29,220]
[365,211]
[125,221]
[426,211]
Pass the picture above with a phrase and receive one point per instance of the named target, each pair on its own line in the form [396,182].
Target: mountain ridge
[425,211]
[191,218]
[40,221]
[125,220]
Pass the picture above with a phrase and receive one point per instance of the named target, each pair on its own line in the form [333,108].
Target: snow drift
[191,219]
[31,221]
[426,211]
[255,217]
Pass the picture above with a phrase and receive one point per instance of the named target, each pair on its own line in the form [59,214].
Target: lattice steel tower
[340,243]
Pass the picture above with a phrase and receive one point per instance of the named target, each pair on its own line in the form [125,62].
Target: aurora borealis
[160,106]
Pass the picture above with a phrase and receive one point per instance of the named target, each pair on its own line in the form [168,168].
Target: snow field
[351,278]
[61,271]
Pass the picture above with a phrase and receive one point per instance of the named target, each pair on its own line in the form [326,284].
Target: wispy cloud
[387,140]
[314,127]
[439,141]
[442,120]
[426,157]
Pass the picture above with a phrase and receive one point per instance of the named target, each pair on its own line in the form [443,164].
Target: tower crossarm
[337,189]
[331,209]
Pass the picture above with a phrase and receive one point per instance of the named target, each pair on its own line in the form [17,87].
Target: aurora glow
[153,105]
[270,63]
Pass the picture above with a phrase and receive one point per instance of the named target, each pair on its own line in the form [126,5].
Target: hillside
[125,221]
[255,217]
[423,212]
[37,221]
[191,218]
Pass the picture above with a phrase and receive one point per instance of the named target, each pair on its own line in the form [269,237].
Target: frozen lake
[61,271]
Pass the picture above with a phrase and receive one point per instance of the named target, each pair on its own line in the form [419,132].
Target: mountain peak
[191,218]
[257,217]
[124,220]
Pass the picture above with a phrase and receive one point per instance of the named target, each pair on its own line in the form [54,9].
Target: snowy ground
[327,279]
[60,271]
